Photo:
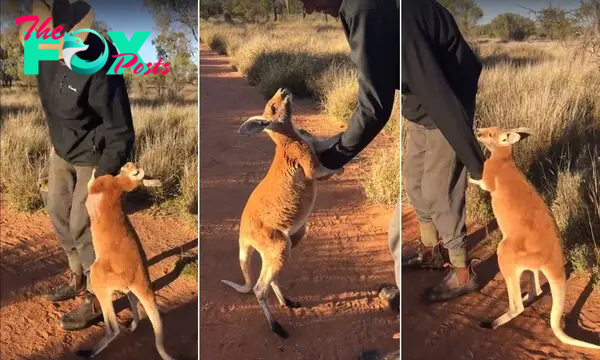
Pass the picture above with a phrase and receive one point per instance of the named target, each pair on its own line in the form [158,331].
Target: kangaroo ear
[515,135]
[524,132]
[151,183]
[254,125]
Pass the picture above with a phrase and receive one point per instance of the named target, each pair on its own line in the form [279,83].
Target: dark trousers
[67,193]
[436,184]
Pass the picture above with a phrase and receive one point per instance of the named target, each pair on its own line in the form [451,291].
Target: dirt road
[331,273]
[31,260]
[451,331]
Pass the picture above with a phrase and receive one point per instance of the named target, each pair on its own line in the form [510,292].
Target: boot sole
[429,300]
[87,325]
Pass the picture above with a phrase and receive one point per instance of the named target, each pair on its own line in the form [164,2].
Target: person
[90,126]
[372,29]
[440,73]
[439,85]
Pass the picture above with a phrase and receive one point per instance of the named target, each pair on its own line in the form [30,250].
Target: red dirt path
[31,260]
[333,271]
[451,331]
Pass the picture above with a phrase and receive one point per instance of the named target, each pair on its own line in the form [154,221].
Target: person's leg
[80,221]
[445,185]
[61,185]
[88,312]
[413,167]
[390,293]
[413,170]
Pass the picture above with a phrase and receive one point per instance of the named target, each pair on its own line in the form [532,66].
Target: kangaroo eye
[273,109]
[490,135]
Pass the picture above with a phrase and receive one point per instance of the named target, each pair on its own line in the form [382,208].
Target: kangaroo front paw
[133,326]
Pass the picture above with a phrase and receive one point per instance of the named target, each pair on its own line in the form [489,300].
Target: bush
[512,27]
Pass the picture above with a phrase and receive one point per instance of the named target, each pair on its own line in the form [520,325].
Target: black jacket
[439,78]
[88,116]
[372,28]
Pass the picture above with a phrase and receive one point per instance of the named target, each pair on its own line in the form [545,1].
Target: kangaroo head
[494,138]
[277,116]
[129,178]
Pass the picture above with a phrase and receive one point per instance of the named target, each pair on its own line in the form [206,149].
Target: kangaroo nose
[285,92]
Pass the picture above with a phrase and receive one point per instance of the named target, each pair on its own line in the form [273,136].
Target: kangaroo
[120,259]
[274,218]
[530,236]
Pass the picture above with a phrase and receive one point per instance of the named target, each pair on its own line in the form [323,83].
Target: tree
[512,26]
[210,8]
[11,60]
[174,48]
[183,13]
[588,15]
[554,23]
[466,12]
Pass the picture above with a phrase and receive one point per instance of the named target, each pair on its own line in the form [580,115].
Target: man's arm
[428,83]
[374,50]
[108,97]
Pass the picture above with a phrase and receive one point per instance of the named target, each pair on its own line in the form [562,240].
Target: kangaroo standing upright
[530,239]
[120,262]
[274,219]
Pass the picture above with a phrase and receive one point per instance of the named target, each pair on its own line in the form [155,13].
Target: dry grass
[166,147]
[555,93]
[382,185]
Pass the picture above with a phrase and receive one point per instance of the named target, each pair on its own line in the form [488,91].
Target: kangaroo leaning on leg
[274,219]
[120,263]
[530,236]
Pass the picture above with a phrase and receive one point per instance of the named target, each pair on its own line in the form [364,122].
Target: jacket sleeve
[108,97]
[374,53]
[426,80]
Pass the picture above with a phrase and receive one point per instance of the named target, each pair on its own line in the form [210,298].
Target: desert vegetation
[540,71]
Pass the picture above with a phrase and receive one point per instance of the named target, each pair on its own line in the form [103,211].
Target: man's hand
[323,173]
[91,204]
[324,144]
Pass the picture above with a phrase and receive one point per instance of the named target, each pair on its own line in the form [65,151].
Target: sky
[128,16]
[492,8]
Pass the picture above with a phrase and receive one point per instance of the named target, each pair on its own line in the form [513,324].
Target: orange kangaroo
[274,219]
[120,261]
[530,236]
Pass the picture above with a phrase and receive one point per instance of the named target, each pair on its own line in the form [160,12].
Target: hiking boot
[425,259]
[75,287]
[449,288]
[374,355]
[83,316]
[391,295]
[394,355]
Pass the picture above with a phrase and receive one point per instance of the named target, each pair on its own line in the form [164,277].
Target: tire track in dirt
[331,273]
